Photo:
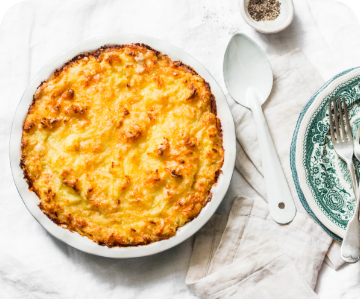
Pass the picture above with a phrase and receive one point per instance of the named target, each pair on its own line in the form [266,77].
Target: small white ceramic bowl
[280,23]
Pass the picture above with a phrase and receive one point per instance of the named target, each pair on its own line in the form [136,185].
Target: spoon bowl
[246,68]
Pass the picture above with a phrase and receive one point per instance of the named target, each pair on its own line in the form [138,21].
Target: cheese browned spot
[122,145]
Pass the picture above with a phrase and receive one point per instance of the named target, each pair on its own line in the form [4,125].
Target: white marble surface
[35,265]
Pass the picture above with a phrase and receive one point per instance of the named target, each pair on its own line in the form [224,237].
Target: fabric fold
[254,252]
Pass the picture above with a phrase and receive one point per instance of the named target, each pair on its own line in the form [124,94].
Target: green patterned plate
[321,177]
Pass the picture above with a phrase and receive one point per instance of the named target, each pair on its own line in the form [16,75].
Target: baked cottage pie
[122,145]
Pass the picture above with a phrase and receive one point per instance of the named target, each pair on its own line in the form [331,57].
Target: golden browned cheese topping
[122,145]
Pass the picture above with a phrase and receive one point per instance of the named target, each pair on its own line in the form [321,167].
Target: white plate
[83,243]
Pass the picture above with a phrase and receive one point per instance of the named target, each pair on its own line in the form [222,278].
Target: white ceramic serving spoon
[249,79]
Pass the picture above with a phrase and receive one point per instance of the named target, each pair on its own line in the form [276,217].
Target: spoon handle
[281,204]
[350,248]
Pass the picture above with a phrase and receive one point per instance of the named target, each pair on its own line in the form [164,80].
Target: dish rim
[83,243]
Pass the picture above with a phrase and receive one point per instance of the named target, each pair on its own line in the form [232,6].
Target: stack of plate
[321,177]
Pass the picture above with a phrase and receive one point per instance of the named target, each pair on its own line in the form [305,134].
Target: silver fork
[344,147]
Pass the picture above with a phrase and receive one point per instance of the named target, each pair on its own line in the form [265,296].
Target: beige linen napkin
[249,255]
[295,80]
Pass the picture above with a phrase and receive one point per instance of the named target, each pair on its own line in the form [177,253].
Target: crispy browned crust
[96,53]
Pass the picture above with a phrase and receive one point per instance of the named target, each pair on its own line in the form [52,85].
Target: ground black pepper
[264,10]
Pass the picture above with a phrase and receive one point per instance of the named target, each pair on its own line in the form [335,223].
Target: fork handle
[351,170]
[281,203]
[350,249]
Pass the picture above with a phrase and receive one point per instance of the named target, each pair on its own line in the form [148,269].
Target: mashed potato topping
[122,145]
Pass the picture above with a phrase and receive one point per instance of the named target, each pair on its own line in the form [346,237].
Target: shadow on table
[285,41]
[164,266]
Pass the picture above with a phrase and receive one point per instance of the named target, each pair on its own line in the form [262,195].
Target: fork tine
[337,136]
[331,123]
[342,123]
[348,127]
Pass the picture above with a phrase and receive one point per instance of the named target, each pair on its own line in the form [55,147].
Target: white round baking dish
[82,243]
